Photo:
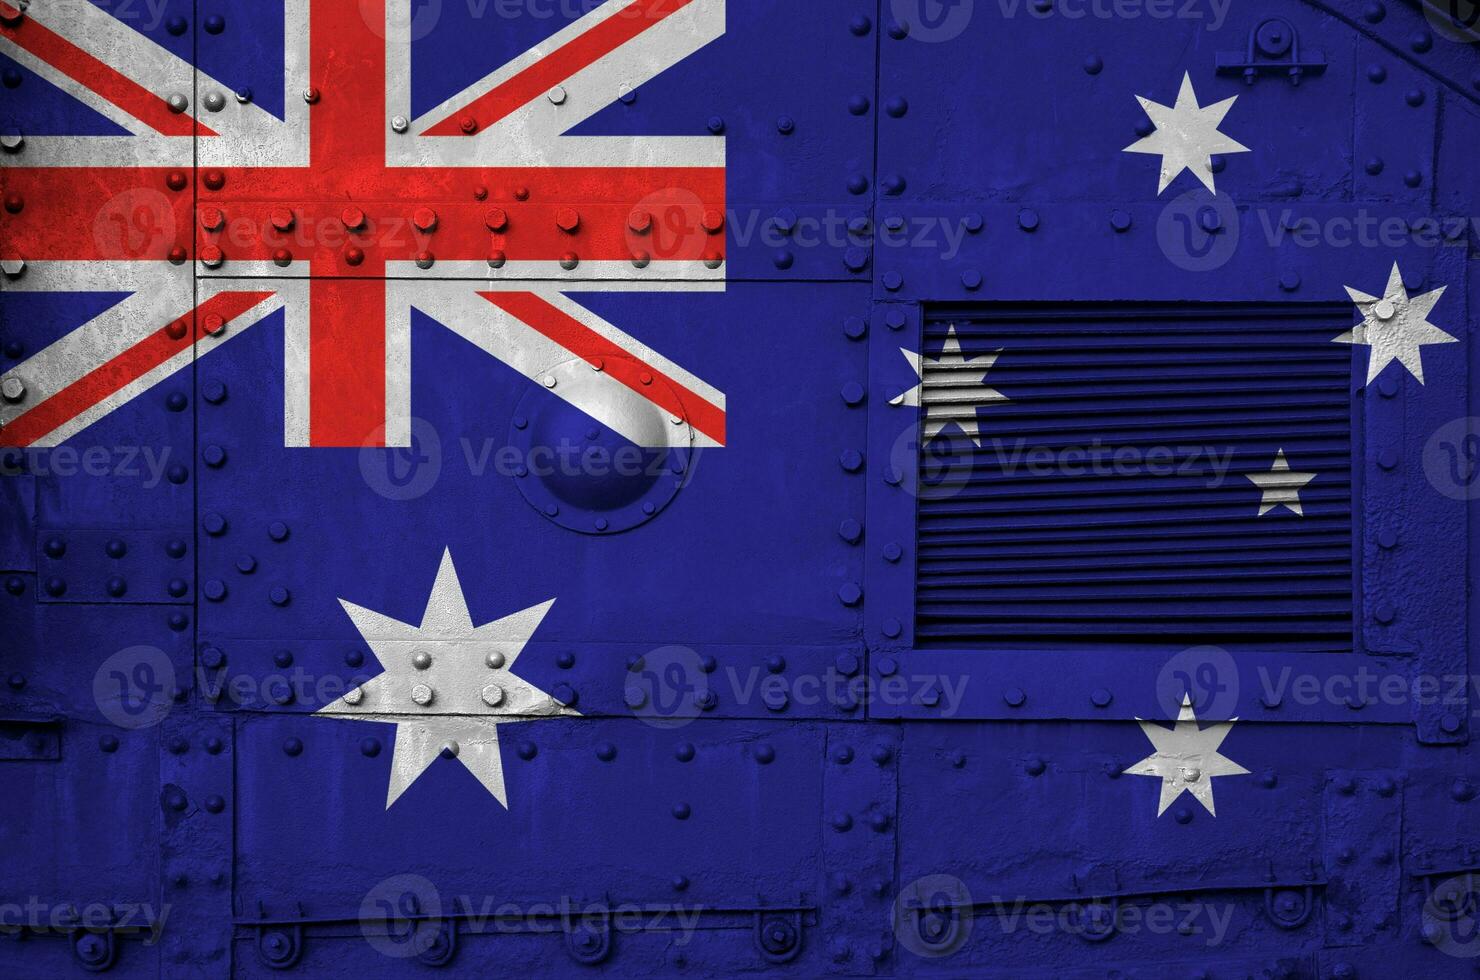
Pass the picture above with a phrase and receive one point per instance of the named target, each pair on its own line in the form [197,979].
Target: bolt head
[13,389]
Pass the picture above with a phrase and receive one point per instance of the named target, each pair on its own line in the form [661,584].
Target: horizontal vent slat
[1016,547]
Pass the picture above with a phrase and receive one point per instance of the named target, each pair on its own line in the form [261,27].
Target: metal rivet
[1014,697]
[557,95]
[311,95]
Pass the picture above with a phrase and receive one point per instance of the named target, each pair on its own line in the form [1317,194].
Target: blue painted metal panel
[529,553]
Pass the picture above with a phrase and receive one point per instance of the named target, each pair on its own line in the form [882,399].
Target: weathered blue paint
[774,771]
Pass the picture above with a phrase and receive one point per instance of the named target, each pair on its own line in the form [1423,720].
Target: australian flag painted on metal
[738,487]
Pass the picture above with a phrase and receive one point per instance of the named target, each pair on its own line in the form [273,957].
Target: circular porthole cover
[609,465]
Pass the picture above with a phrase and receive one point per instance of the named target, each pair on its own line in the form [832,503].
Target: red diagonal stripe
[83,68]
[534,81]
[135,362]
[582,341]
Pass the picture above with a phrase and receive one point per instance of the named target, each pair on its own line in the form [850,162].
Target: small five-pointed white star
[447,684]
[1186,136]
[1395,326]
[957,407]
[1186,758]
[1280,487]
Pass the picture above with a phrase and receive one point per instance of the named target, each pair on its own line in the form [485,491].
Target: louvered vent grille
[1028,541]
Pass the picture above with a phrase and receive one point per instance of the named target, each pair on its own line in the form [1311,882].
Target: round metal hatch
[608,452]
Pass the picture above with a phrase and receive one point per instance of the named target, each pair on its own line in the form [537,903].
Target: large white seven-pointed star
[1186,135]
[1280,487]
[447,684]
[1186,758]
[966,392]
[1395,326]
